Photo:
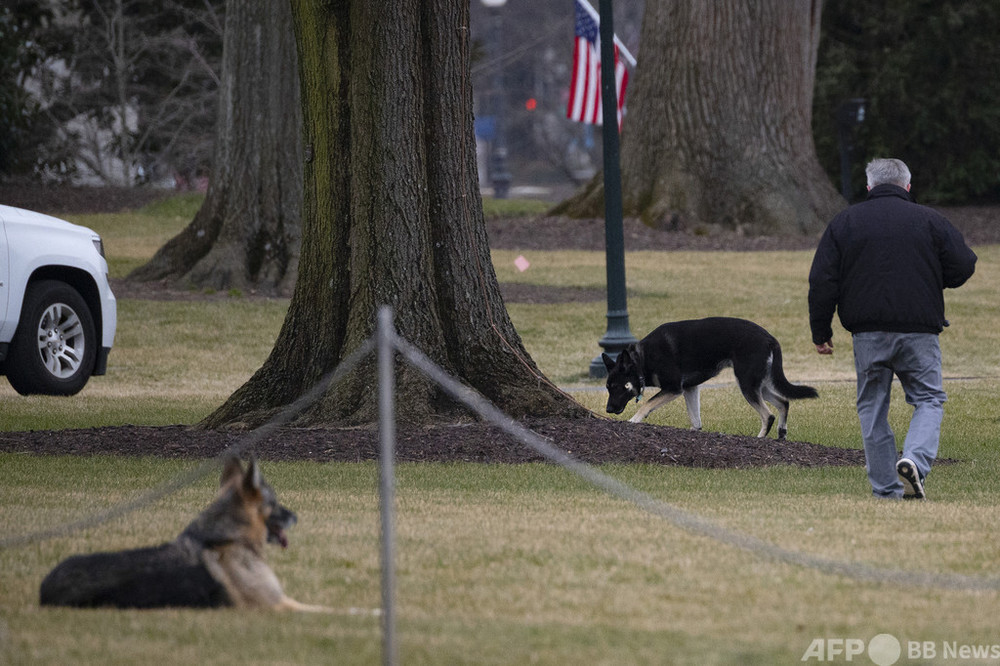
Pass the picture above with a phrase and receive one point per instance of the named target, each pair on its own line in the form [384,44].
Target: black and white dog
[678,356]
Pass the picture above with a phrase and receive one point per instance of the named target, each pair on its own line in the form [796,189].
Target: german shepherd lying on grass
[679,356]
[216,561]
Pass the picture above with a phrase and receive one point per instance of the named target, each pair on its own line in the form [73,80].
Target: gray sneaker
[913,485]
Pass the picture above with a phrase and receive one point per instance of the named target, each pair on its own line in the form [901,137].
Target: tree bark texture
[247,234]
[719,125]
[392,216]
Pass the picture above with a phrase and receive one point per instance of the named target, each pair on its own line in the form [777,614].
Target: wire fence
[388,344]
[192,476]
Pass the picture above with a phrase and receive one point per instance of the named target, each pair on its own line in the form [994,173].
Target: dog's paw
[766,427]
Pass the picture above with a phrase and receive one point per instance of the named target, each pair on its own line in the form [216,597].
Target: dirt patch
[544,294]
[563,233]
[592,440]
[63,200]
[979,224]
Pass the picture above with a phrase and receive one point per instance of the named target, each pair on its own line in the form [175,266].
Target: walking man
[883,265]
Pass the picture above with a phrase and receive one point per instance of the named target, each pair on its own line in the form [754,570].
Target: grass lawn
[525,564]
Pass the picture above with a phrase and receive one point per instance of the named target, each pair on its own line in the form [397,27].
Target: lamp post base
[617,337]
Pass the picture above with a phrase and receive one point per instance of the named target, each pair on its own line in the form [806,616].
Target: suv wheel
[54,347]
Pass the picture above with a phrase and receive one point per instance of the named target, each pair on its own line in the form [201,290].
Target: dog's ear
[252,479]
[231,469]
[609,362]
[627,356]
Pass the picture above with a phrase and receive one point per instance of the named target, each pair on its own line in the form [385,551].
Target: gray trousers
[915,358]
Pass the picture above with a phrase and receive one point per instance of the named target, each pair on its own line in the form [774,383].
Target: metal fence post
[387,442]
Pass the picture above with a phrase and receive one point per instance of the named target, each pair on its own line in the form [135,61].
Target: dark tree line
[123,88]
[927,71]
[21,51]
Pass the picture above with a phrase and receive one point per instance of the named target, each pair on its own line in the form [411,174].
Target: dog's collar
[642,374]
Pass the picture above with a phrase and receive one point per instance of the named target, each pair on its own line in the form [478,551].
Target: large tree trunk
[719,126]
[392,215]
[247,233]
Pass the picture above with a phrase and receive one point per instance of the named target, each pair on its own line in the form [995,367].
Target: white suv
[57,312]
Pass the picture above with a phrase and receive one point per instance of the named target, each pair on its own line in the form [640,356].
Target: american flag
[585,87]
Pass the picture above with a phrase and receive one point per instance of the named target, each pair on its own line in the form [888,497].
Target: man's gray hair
[887,170]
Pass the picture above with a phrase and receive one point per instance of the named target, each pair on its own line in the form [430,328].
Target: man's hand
[826,348]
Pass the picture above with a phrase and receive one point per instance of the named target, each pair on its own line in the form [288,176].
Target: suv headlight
[99,246]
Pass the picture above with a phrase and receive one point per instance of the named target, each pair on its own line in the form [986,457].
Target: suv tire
[53,350]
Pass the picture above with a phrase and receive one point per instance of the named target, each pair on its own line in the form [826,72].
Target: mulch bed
[592,440]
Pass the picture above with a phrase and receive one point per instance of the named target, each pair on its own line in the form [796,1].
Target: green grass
[767,287]
[523,564]
[173,362]
[131,238]
[511,564]
[514,207]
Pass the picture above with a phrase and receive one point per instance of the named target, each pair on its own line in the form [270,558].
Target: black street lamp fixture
[618,335]
[850,114]
[500,177]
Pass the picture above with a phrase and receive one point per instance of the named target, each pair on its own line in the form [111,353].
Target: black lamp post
[618,334]
[499,175]
[850,114]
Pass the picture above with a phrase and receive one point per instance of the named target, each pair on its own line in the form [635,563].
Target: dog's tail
[780,382]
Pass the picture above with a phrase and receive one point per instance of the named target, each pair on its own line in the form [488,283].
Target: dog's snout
[612,408]
[286,516]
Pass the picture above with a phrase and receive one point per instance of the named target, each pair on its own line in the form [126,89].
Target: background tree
[247,233]
[927,71]
[127,87]
[392,215]
[719,125]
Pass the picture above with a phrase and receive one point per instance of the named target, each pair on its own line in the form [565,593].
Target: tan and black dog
[216,561]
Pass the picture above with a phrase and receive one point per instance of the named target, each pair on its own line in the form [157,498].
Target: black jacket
[883,265]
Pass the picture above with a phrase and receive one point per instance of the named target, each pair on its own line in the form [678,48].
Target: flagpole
[629,58]
[618,335]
